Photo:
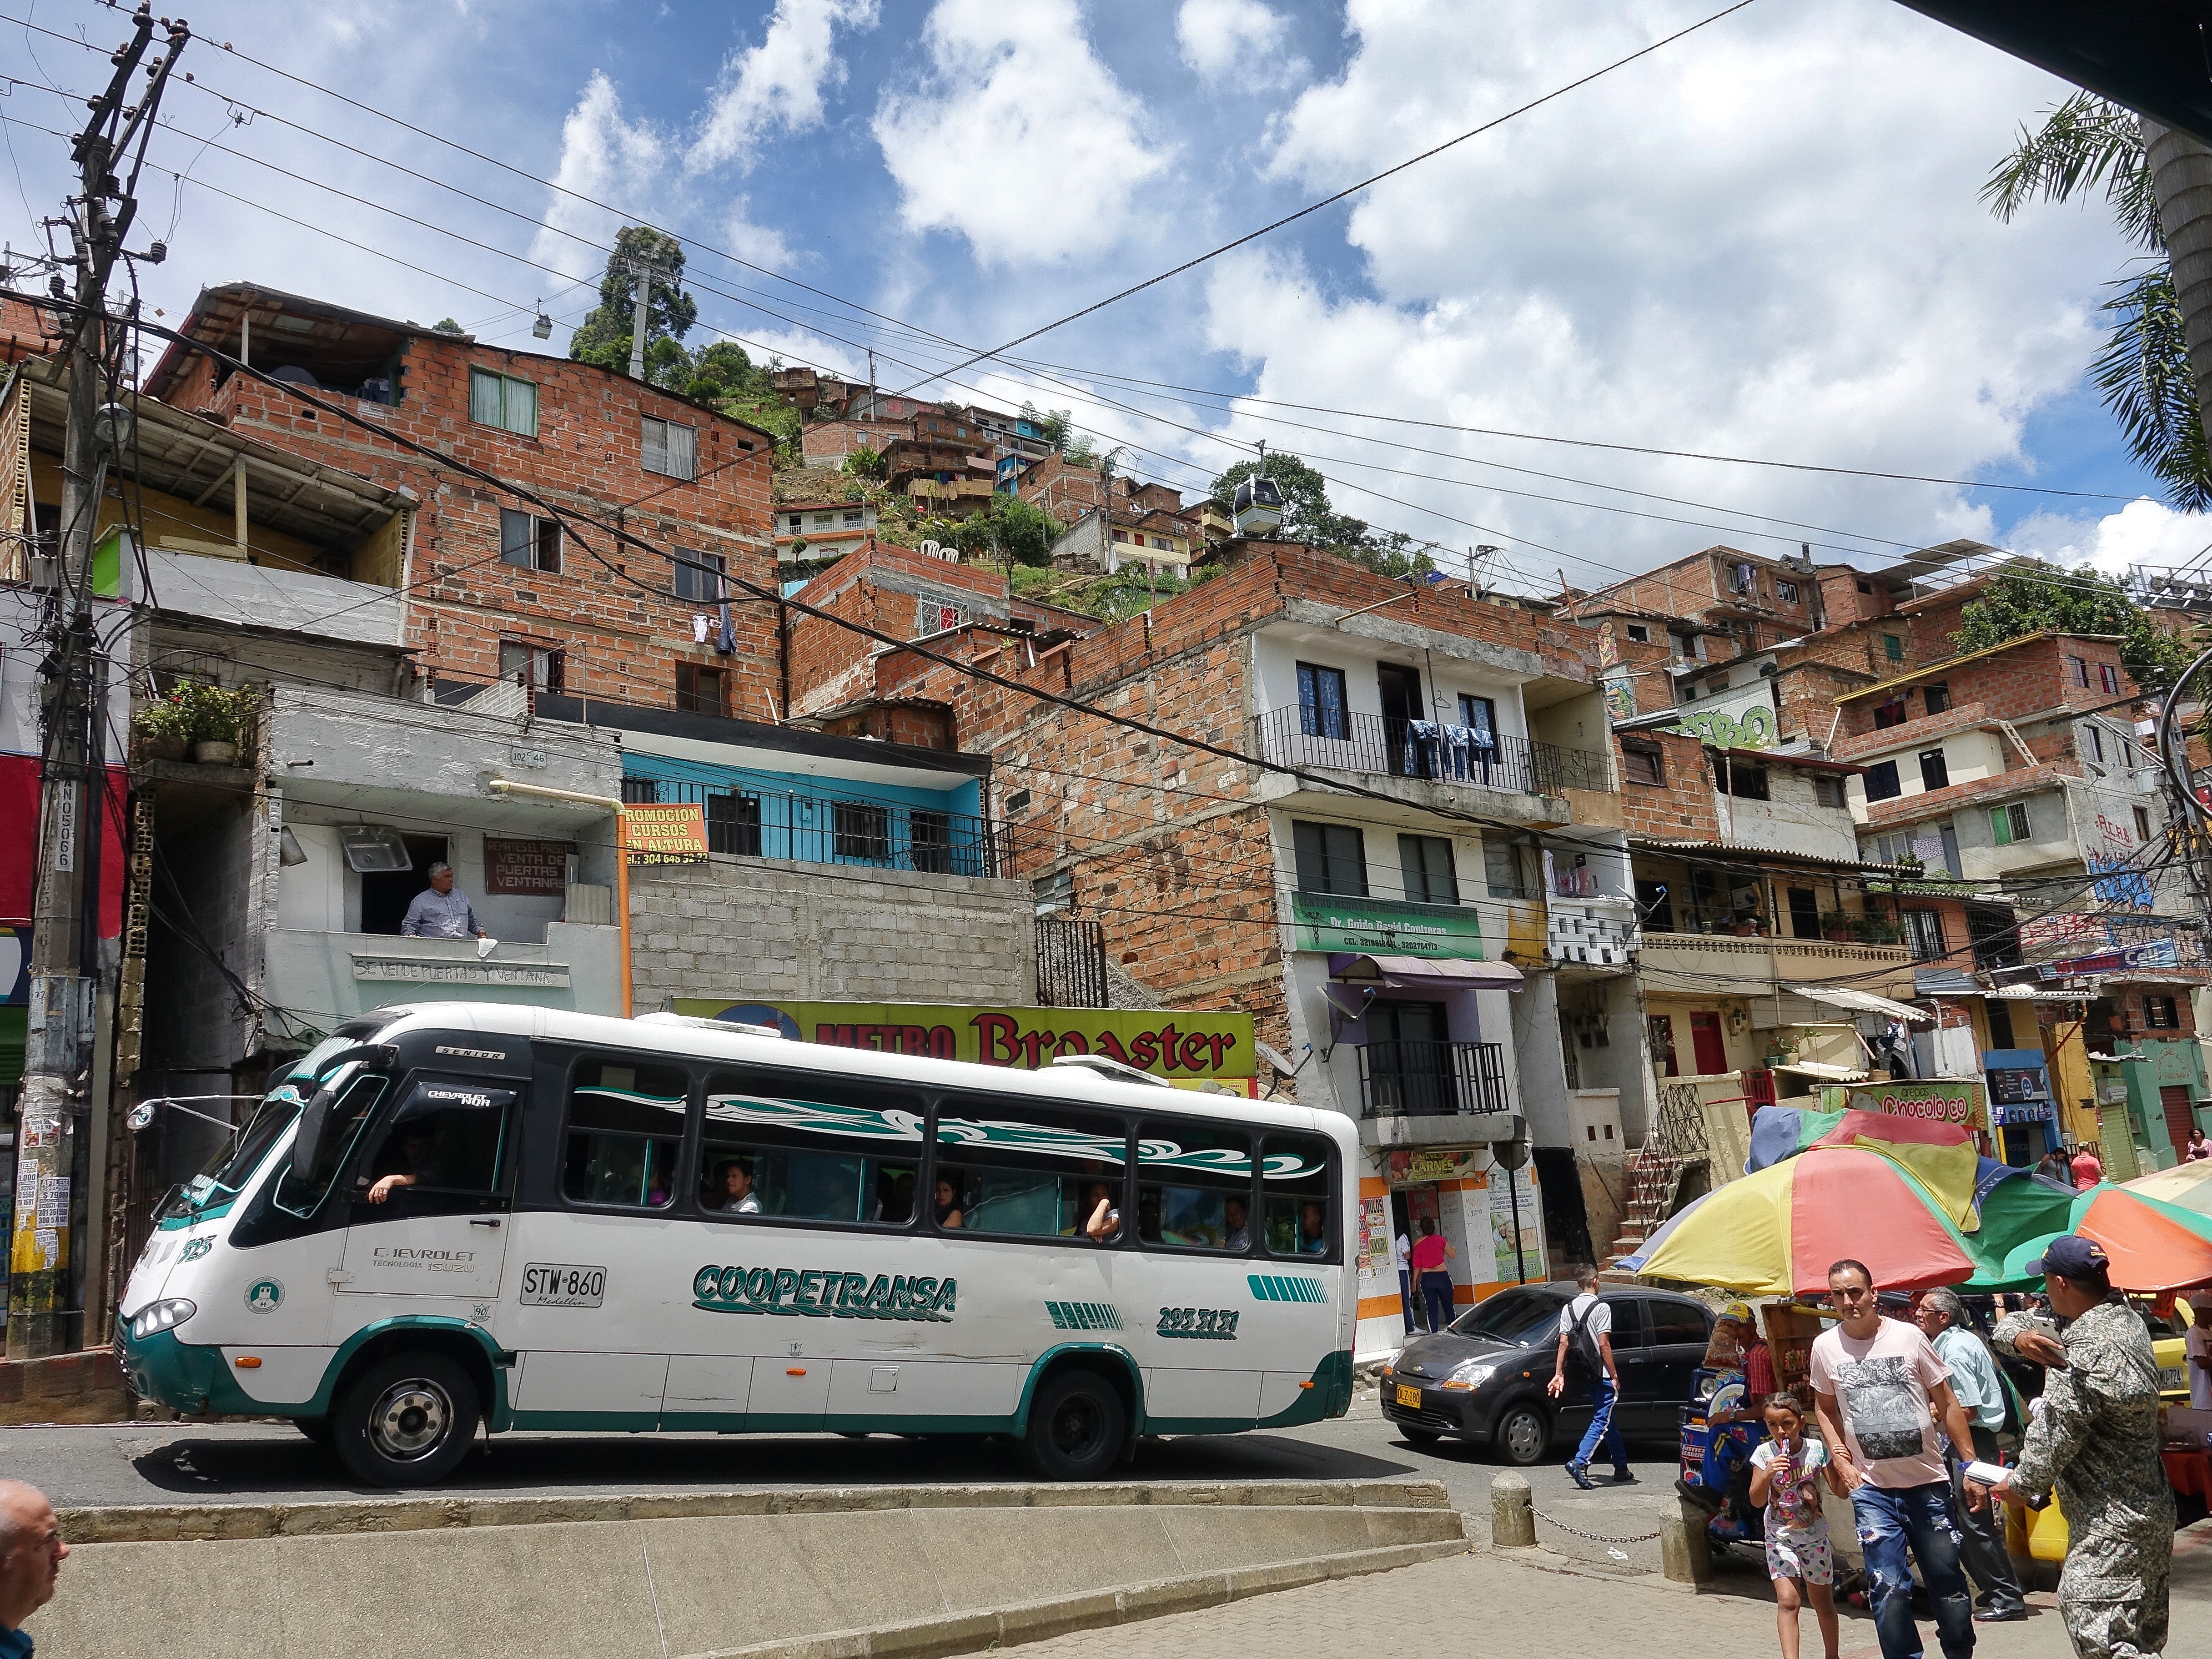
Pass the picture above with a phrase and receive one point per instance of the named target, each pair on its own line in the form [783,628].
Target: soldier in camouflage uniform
[2096,1440]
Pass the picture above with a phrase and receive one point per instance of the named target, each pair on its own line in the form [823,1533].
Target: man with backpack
[1585,1355]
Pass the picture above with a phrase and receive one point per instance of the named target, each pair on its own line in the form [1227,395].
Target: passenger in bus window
[1313,1229]
[948,1202]
[418,1145]
[732,1190]
[1239,1224]
[1104,1226]
[1148,1215]
[898,1209]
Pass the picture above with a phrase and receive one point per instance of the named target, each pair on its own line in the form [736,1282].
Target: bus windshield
[232,1166]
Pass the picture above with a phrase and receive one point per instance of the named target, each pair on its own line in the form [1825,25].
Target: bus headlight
[1471,1375]
[163,1316]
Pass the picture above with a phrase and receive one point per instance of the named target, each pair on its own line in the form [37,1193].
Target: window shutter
[2001,826]
[656,445]
[521,408]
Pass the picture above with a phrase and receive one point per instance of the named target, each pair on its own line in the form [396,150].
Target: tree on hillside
[2142,371]
[2031,598]
[603,336]
[1010,528]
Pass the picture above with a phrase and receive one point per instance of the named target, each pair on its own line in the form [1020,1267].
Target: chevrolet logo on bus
[821,1294]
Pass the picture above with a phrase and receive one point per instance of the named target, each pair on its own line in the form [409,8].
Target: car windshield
[1522,1316]
[233,1165]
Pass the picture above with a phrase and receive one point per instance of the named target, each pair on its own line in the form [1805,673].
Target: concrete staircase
[1653,1174]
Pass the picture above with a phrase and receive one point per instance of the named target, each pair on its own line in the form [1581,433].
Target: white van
[458,1213]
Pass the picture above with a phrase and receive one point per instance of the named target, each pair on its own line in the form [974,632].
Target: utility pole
[644,275]
[65,964]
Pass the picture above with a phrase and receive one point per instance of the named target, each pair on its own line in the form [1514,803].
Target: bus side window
[1299,1198]
[1195,1186]
[809,1148]
[447,1136]
[299,1192]
[1041,1176]
[625,1133]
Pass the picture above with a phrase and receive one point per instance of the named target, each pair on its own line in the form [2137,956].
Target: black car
[1482,1377]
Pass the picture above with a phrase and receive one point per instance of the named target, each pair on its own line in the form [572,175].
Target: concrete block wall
[745,927]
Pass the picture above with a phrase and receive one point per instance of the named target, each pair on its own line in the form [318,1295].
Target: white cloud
[2144,531]
[1017,137]
[755,244]
[1764,241]
[1221,36]
[779,83]
[602,157]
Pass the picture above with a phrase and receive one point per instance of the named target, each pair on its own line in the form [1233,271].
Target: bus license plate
[1409,1396]
[554,1285]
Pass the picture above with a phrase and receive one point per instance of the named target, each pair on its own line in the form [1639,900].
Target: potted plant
[216,720]
[164,730]
[1836,926]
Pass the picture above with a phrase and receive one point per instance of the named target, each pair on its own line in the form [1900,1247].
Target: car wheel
[317,1429]
[1521,1434]
[406,1421]
[1077,1426]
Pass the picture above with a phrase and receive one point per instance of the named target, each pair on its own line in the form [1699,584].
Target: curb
[1034,1621]
[166,1522]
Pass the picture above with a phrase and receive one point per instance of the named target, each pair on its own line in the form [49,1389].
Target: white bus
[457,1215]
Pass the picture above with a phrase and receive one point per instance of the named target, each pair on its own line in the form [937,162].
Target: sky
[1762,240]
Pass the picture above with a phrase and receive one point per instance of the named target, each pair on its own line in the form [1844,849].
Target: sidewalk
[1487,1603]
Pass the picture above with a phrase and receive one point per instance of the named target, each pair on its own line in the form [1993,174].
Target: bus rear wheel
[406,1421]
[1077,1426]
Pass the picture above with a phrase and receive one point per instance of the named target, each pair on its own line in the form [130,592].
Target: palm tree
[2142,373]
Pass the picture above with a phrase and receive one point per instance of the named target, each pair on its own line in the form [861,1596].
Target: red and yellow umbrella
[2153,1246]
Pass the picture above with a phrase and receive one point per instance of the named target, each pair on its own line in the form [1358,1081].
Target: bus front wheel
[1077,1425]
[406,1420]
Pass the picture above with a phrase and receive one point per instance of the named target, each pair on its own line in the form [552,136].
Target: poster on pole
[1516,1227]
[668,832]
[1378,1274]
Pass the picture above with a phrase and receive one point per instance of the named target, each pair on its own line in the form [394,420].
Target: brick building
[489,591]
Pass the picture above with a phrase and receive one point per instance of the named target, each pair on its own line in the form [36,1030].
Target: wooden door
[2180,1118]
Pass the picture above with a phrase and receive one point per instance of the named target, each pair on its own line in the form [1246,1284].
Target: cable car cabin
[1259,506]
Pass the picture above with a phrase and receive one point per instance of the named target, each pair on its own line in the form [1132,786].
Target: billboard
[1182,1048]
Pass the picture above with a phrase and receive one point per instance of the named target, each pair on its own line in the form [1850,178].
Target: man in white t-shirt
[1401,1252]
[1586,1349]
[1874,1382]
[2197,1350]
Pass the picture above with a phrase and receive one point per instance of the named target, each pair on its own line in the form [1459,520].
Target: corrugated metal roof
[257,596]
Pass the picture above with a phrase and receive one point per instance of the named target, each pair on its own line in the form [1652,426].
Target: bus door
[429,1190]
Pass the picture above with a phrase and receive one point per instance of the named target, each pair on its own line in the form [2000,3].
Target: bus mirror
[315,1116]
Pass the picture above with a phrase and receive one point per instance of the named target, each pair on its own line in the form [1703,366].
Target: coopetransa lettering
[823,1293]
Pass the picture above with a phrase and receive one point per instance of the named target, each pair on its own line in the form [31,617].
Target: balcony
[1724,965]
[328,977]
[1596,931]
[1432,1079]
[812,829]
[1425,750]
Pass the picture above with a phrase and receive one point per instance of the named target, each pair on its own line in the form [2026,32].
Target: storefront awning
[1865,1001]
[1825,1073]
[1424,973]
[1945,983]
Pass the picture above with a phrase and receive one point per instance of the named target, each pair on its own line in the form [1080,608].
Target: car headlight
[1473,1373]
[163,1316]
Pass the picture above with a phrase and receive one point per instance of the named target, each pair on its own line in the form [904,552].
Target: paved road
[152,1463]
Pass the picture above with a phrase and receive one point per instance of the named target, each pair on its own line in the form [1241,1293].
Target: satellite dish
[1273,1056]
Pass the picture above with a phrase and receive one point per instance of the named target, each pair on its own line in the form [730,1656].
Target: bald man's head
[31,1552]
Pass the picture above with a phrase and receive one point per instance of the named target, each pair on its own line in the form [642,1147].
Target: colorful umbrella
[1778,1231]
[2153,1246]
[2188,1185]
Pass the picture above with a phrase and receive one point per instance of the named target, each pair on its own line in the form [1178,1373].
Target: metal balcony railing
[825,830]
[1425,749]
[1431,1080]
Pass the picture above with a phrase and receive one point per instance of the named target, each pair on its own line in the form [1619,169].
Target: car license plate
[554,1285]
[1409,1396]
[2172,1379]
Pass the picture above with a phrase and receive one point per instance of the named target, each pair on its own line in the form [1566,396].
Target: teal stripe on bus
[1280,1287]
[1083,1316]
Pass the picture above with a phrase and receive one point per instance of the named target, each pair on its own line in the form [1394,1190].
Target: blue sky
[1762,240]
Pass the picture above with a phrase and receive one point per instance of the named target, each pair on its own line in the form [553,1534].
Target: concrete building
[816,529]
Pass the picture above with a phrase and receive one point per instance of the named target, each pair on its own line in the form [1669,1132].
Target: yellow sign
[669,833]
[1167,1043]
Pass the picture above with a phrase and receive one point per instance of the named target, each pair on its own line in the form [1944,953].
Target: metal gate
[1071,963]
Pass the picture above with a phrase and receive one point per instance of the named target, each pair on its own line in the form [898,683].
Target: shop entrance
[1705,1042]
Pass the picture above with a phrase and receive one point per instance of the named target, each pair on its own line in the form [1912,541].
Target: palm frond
[2142,373]
[2083,143]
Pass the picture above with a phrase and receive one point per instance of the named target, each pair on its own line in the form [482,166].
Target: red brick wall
[2128,1014]
[2031,677]
[829,441]
[620,640]
[24,327]
[1680,809]
[1841,602]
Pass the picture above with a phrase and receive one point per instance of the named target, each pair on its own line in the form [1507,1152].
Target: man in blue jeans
[1586,1349]
[1874,1382]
